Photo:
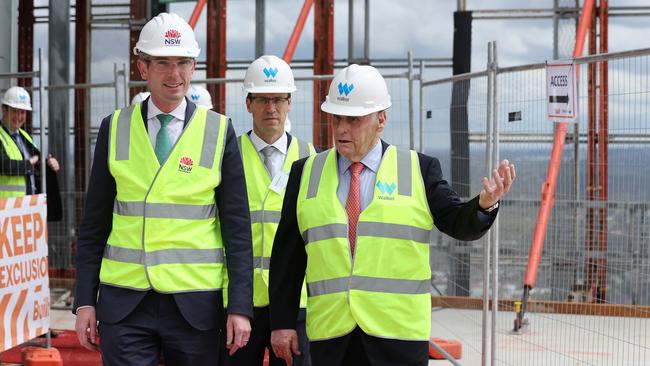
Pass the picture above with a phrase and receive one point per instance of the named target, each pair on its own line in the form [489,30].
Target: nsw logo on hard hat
[185,164]
[271,73]
[386,190]
[172,38]
[344,90]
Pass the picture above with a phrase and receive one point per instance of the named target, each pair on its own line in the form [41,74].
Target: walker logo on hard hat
[185,165]
[194,97]
[270,72]
[386,190]
[345,89]
[172,38]
[22,97]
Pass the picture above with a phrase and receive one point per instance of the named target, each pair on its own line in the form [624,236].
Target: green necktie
[163,142]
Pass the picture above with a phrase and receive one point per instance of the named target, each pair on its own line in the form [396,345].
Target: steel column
[81,97]
[215,63]
[26,48]
[137,20]
[323,65]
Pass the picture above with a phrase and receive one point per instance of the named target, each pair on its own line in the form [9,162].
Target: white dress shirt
[279,153]
[175,126]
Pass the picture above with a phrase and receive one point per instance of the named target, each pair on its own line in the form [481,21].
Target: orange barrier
[454,348]
[38,356]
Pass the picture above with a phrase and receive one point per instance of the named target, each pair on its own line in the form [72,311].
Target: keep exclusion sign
[24,280]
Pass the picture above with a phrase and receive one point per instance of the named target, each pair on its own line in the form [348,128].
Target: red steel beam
[323,65]
[603,132]
[138,18]
[26,48]
[591,253]
[548,187]
[297,31]
[215,64]
[196,13]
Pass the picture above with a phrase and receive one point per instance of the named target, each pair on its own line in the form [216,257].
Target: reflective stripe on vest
[12,185]
[265,210]
[385,288]
[166,233]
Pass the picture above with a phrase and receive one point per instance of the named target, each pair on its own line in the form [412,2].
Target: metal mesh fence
[590,302]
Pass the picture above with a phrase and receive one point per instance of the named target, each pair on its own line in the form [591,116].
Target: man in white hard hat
[200,96]
[166,201]
[356,221]
[19,164]
[267,153]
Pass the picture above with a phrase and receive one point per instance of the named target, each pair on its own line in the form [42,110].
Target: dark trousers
[157,326]
[253,353]
[360,349]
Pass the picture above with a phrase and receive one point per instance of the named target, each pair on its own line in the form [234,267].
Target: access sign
[561,92]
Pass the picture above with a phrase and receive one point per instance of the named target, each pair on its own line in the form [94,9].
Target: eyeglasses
[163,65]
[278,101]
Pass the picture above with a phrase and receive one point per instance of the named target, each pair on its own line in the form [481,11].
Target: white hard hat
[17,97]
[200,96]
[167,35]
[269,74]
[357,91]
[287,125]
[140,97]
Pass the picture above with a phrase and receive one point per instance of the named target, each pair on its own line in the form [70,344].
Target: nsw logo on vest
[386,190]
[185,164]
[344,90]
[271,73]
[172,38]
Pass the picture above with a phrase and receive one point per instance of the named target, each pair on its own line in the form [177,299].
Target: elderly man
[166,202]
[356,220]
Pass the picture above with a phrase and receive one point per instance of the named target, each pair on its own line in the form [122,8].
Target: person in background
[268,152]
[200,96]
[20,159]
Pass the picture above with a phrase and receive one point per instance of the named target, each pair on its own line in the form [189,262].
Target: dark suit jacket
[289,258]
[200,309]
[25,168]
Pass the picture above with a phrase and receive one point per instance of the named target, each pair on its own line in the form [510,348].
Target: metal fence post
[41,91]
[493,163]
[126,87]
[421,105]
[411,113]
[115,74]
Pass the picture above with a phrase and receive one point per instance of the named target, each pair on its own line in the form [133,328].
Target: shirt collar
[280,144]
[178,112]
[371,160]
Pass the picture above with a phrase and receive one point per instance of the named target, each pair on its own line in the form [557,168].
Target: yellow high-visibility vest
[166,234]
[12,185]
[385,287]
[265,206]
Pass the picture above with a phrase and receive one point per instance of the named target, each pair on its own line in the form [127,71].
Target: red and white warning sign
[24,281]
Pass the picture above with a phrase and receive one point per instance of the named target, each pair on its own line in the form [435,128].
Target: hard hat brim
[169,52]
[270,89]
[17,106]
[353,111]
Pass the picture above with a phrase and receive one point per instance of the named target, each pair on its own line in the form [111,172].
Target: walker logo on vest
[172,38]
[345,89]
[24,281]
[386,190]
[270,73]
[185,165]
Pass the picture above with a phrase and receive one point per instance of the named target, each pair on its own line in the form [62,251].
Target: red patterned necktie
[353,204]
